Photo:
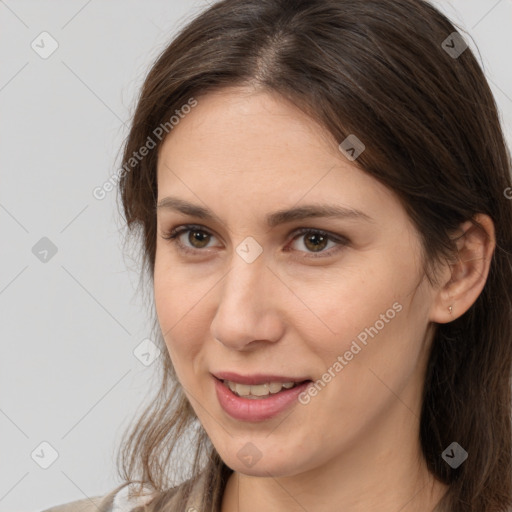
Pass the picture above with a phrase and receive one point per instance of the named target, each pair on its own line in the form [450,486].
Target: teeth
[259,390]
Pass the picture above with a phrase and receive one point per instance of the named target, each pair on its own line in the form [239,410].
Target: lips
[260,409]
[259,378]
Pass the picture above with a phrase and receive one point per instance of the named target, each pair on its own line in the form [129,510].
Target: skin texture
[244,153]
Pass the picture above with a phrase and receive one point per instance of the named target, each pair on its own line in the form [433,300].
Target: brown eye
[316,241]
[197,236]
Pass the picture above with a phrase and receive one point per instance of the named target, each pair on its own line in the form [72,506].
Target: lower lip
[246,409]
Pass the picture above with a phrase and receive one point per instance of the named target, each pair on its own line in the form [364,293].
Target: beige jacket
[121,504]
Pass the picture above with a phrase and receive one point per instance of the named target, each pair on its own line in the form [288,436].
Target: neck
[252,494]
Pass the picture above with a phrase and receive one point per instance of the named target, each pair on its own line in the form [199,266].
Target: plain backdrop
[71,319]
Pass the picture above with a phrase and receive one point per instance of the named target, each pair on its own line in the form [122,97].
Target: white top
[123,504]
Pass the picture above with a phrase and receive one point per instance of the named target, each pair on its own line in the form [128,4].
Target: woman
[320,187]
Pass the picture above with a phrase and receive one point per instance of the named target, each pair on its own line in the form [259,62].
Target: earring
[450,309]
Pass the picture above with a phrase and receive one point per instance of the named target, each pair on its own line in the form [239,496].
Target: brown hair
[379,69]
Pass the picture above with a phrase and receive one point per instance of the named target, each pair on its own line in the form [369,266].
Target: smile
[260,401]
[259,391]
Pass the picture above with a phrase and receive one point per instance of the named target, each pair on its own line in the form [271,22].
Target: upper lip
[257,378]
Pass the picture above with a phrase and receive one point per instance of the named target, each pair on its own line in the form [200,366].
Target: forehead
[238,146]
[242,126]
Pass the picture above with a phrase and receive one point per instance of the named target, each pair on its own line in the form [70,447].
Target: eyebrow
[272,219]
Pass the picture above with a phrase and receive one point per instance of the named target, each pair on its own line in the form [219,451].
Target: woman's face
[348,311]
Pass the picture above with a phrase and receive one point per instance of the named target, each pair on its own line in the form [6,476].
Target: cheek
[366,314]
[342,302]
[172,290]
[380,356]
[178,308]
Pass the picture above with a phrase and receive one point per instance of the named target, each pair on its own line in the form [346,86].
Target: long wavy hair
[386,71]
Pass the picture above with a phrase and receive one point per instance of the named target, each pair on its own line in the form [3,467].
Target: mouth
[258,402]
[259,391]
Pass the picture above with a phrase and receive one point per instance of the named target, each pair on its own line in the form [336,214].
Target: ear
[464,279]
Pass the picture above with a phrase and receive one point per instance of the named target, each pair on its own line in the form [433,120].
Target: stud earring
[450,308]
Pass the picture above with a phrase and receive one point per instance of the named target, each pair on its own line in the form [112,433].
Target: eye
[315,242]
[196,235]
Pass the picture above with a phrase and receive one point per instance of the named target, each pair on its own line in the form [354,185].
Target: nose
[248,314]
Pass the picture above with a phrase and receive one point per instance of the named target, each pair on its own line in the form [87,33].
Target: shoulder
[121,501]
[124,502]
[191,493]
[84,505]
[116,500]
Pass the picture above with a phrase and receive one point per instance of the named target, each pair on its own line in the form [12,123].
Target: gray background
[70,324]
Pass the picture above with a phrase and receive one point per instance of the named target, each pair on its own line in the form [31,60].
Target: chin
[240,461]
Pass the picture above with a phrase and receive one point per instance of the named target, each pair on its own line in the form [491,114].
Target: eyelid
[174,233]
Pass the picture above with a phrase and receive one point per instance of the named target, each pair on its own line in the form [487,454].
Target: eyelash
[173,235]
